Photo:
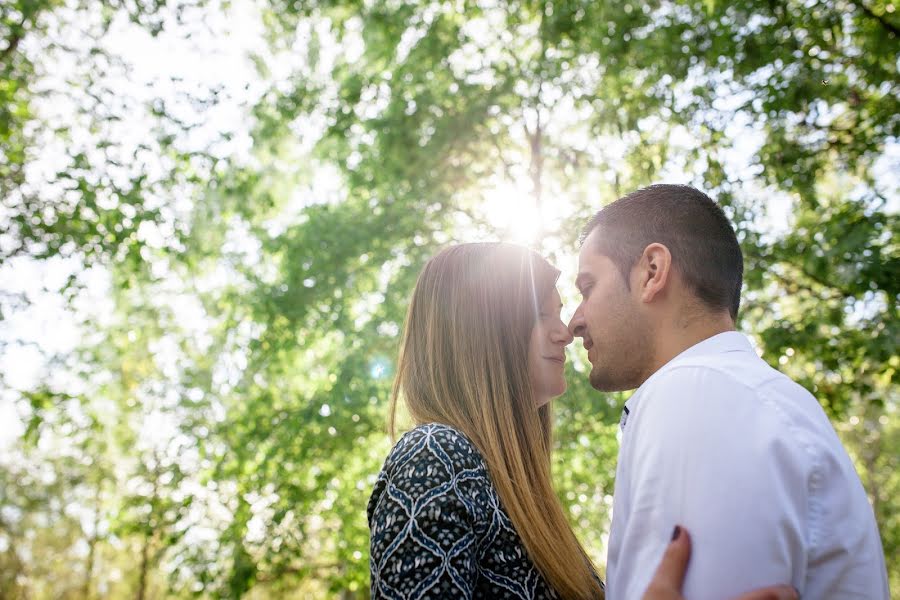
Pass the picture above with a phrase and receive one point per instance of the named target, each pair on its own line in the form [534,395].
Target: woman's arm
[422,539]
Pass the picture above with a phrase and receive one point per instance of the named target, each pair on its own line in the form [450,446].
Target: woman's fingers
[669,576]
[778,592]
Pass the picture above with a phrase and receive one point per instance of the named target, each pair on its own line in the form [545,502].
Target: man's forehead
[592,264]
[588,249]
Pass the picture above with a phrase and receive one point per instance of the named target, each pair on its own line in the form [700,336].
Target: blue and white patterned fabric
[438,529]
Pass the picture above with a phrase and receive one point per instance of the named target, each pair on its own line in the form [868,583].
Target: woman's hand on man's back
[669,577]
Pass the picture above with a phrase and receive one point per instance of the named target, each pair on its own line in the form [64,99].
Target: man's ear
[653,272]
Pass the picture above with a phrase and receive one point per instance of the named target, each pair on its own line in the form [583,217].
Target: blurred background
[213,214]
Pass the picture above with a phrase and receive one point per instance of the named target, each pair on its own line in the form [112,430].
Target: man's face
[616,336]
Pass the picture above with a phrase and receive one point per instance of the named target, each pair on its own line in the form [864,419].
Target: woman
[482,355]
[464,506]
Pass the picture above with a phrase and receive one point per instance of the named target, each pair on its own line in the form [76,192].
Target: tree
[385,131]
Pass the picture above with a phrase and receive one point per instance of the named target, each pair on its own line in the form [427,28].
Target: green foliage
[222,422]
[92,199]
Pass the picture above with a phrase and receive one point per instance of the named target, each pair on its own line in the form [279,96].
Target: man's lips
[560,359]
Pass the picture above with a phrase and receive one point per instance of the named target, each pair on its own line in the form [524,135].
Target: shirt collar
[721,343]
[728,341]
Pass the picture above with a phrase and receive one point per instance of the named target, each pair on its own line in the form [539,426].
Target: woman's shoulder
[438,444]
[431,464]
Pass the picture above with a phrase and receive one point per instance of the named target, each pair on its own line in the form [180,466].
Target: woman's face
[547,350]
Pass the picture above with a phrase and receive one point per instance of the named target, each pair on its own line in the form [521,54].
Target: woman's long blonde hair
[464,363]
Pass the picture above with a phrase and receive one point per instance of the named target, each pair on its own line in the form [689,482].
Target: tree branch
[11,46]
[537,162]
[793,286]
[13,41]
[507,166]
[891,28]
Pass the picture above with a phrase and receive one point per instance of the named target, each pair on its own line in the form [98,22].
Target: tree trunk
[145,560]
[92,546]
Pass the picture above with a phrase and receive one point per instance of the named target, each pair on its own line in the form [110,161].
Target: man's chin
[603,382]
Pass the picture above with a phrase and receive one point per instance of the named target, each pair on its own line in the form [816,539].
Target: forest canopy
[213,214]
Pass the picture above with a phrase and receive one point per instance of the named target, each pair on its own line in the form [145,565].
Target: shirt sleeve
[709,454]
[423,543]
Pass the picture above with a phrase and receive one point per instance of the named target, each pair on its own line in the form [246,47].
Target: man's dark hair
[696,231]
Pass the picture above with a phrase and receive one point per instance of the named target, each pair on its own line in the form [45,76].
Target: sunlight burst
[512,211]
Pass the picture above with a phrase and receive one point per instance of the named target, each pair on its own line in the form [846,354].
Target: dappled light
[214,213]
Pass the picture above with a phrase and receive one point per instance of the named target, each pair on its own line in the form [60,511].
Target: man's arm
[669,577]
[708,453]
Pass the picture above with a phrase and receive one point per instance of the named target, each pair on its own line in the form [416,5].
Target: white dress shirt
[746,459]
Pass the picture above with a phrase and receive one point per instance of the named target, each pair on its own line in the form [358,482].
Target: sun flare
[513,212]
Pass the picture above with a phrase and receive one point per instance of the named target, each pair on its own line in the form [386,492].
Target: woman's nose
[562,335]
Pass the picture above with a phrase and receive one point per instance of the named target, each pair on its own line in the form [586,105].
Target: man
[713,438]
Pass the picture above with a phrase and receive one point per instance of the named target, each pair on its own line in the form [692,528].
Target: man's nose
[576,325]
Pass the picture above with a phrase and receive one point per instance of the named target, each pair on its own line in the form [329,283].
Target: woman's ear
[653,271]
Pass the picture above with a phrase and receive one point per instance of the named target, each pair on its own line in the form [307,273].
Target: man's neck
[675,339]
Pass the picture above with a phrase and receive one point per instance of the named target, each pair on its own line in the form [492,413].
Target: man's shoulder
[740,394]
[743,367]
[730,392]
[739,374]
[737,377]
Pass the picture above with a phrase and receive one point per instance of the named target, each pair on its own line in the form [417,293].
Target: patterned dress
[438,529]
